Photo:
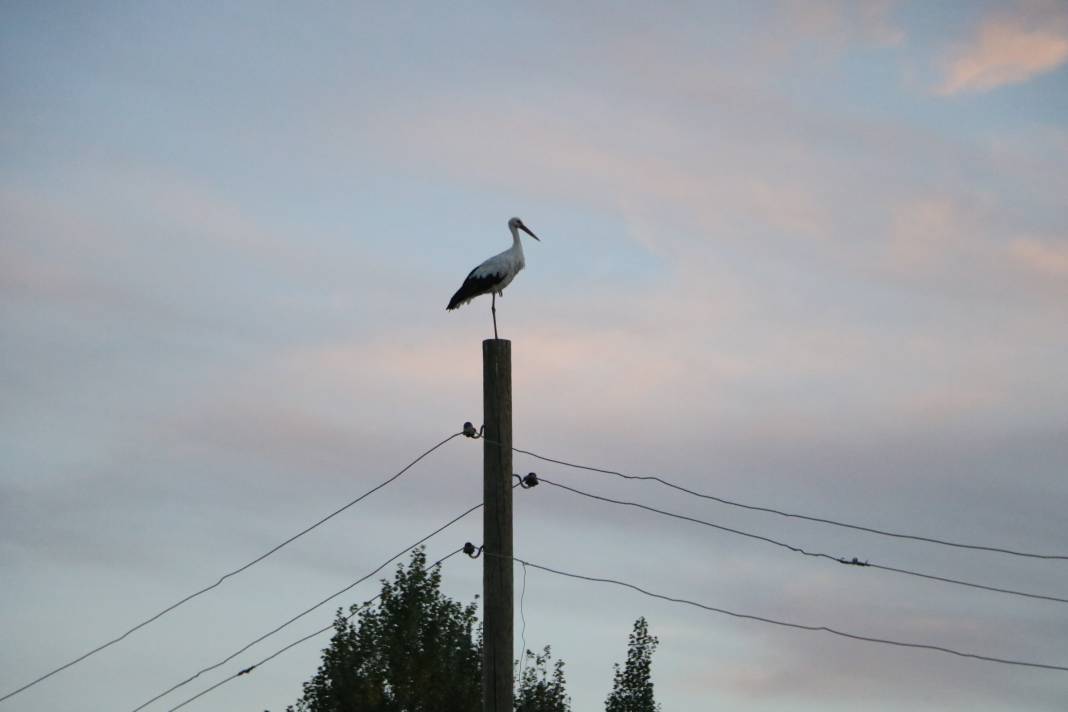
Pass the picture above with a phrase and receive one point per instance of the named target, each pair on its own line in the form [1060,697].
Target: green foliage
[540,691]
[632,686]
[415,651]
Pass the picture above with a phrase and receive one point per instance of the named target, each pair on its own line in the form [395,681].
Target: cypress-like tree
[632,685]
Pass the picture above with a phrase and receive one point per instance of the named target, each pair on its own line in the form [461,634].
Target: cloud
[837,24]
[1043,257]
[963,245]
[926,232]
[1009,50]
[733,178]
[849,671]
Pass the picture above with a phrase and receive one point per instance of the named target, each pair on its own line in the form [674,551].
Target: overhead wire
[800,550]
[790,624]
[523,633]
[654,478]
[729,530]
[222,578]
[295,643]
[306,611]
[806,517]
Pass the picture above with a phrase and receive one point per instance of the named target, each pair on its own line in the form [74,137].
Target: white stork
[496,273]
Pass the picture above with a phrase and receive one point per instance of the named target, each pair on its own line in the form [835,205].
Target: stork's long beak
[525,229]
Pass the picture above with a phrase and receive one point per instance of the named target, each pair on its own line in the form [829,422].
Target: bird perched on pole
[496,273]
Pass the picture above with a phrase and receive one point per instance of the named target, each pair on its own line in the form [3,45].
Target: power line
[702,522]
[295,643]
[788,624]
[781,513]
[523,617]
[310,609]
[236,571]
[958,582]
[799,550]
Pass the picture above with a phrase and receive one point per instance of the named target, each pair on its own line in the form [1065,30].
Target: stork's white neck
[517,244]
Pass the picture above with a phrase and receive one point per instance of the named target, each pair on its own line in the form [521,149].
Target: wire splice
[791,624]
[815,554]
[300,615]
[853,562]
[295,643]
[309,610]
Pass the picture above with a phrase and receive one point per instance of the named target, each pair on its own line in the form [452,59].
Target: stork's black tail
[457,300]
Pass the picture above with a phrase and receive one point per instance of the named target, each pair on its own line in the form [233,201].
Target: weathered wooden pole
[497,526]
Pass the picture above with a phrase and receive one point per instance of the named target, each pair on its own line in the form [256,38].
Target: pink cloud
[972,247]
[706,180]
[275,432]
[926,234]
[1009,50]
[50,253]
[1041,256]
[837,23]
[28,276]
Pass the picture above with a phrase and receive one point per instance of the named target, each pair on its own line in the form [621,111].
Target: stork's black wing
[472,287]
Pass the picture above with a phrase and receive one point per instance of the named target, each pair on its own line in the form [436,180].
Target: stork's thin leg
[493,308]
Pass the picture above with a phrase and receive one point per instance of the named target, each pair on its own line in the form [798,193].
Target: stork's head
[516,224]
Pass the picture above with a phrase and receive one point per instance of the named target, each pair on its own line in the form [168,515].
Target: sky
[804,255]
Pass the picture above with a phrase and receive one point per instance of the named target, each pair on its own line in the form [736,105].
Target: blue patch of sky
[901,82]
[936,31]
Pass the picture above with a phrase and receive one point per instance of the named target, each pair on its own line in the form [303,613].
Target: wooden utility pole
[497,526]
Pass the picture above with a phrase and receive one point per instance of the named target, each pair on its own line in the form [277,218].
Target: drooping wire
[523,482]
[781,513]
[789,624]
[306,611]
[222,578]
[523,630]
[295,643]
[799,550]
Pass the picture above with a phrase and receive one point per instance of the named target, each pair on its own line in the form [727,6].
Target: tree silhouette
[418,650]
[538,690]
[632,685]
[415,651]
